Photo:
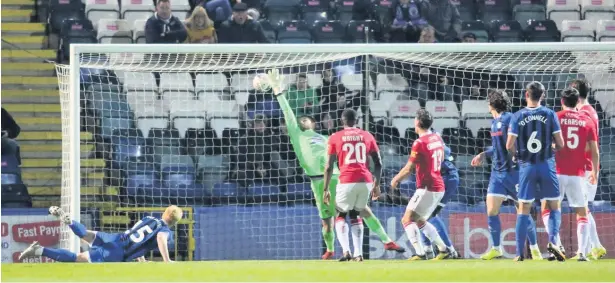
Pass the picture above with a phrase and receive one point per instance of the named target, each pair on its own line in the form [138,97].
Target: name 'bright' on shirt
[352,138]
[531,118]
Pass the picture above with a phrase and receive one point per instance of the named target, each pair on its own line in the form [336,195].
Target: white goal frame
[71,181]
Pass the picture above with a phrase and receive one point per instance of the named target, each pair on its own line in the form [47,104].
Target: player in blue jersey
[533,130]
[146,235]
[504,174]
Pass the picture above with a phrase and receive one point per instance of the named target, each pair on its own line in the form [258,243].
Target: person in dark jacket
[10,131]
[444,17]
[240,28]
[254,160]
[334,97]
[163,27]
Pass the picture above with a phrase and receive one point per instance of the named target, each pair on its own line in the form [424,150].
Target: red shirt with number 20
[353,146]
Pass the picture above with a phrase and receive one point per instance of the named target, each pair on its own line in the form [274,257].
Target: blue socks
[523,223]
[531,232]
[555,220]
[59,255]
[78,228]
[495,228]
[439,224]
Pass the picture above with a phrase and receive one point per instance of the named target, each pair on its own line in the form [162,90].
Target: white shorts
[424,202]
[590,190]
[573,188]
[352,196]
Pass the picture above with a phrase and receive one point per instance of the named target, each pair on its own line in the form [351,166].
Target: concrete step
[23,29]
[53,177]
[30,96]
[55,163]
[85,191]
[24,42]
[46,202]
[23,82]
[115,220]
[17,4]
[15,15]
[38,123]
[51,150]
[36,108]
[30,69]
[16,55]
[49,136]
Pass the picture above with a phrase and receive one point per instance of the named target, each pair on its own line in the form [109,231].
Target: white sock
[582,234]
[341,231]
[432,234]
[545,221]
[413,233]
[38,252]
[356,228]
[594,241]
[534,247]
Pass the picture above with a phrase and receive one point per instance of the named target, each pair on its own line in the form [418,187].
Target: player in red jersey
[350,147]
[579,133]
[597,250]
[426,156]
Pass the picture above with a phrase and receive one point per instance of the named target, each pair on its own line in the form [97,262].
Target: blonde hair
[428,30]
[199,12]
[172,215]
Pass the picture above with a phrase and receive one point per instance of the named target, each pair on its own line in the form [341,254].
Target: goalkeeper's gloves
[275,81]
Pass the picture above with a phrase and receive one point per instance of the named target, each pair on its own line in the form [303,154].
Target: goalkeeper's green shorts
[318,187]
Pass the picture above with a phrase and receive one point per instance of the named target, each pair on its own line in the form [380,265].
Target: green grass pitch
[330,271]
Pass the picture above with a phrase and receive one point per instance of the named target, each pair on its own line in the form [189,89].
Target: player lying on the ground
[146,235]
[580,134]
[531,133]
[504,175]
[310,149]
[595,248]
[426,156]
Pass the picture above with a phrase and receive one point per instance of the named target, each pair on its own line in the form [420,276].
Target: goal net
[184,125]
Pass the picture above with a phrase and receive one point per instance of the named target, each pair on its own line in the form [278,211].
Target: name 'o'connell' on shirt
[531,118]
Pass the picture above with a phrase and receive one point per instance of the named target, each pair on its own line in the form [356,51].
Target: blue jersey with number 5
[534,128]
[142,237]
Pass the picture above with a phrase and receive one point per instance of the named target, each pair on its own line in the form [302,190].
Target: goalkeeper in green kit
[311,150]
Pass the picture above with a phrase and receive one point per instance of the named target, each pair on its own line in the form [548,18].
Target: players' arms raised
[331,158]
[162,239]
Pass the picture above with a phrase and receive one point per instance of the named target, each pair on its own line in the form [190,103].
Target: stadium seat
[114,31]
[524,13]
[10,179]
[109,124]
[179,82]
[181,9]
[314,10]
[164,142]
[150,117]
[560,10]
[603,96]
[595,10]
[445,114]
[212,169]
[95,10]
[300,191]
[202,141]
[269,30]
[328,32]
[577,31]
[494,10]
[210,83]
[221,123]
[281,10]
[230,136]
[542,31]
[140,175]
[390,86]
[177,170]
[460,140]
[136,10]
[294,32]
[476,115]
[187,114]
[356,33]
[605,30]
[11,171]
[475,124]
[224,190]
[478,28]
[74,31]
[355,82]
[127,143]
[344,11]
[402,114]
[137,99]
[382,8]
[15,196]
[507,31]
[263,190]
[466,8]
[106,104]
[134,81]
[138,31]
[61,10]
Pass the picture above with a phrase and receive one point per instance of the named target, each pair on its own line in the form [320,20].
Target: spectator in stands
[10,130]
[332,94]
[363,10]
[255,148]
[407,21]
[240,28]
[200,27]
[301,97]
[444,17]
[428,35]
[163,27]
[469,38]
[254,14]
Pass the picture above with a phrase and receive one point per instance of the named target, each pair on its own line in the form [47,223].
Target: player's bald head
[535,91]
[172,215]
[307,123]
[423,119]
[349,117]
[570,97]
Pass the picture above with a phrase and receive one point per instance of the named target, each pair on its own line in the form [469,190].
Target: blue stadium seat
[344,10]
[61,10]
[140,175]
[263,190]
[460,140]
[492,10]
[10,179]
[314,10]
[355,31]
[164,142]
[478,28]
[225,190]
[408,187]
[542,31]
[202,141]
[177,170]
[507,31]
[525,12]
[212,169]
[126,143]
[109,104]
[281,10]
[300,191]
[328,32]
[269,108]
[269,30]
[74,31]
[294,32]
[108,125]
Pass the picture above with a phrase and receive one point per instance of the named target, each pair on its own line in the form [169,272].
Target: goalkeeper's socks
[439,225]
[329,238]
[430,232]
[531,232]
[521,229]
[59,255]
[594,240]
[414,235]
[374,225]
[495,229]
[356,229]
[78,228]
[555,220]
[341,231]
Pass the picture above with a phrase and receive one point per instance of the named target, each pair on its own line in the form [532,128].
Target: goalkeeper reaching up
[311,150]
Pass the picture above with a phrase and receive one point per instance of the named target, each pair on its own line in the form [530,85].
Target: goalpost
[181,124]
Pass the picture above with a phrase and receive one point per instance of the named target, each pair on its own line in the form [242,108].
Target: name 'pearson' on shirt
[572,122]
[531,118]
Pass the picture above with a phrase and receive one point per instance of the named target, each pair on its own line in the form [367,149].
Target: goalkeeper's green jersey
[310,146]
